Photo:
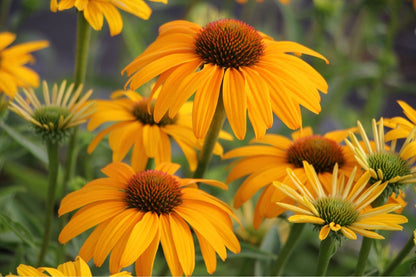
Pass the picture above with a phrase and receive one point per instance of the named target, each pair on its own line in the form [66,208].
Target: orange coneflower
[134,127]
[13,72]
[266,160]
[229,59]
[96,10]
[134,211]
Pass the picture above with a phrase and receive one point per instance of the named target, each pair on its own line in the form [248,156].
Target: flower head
[96,10]
[61,110]
[76,268]
[401,127]
[13,72]
[135,127]
[344,208]
[266,161]
[229,59]
[135,211]
[383,161]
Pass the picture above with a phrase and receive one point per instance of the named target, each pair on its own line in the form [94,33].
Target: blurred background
[371,46]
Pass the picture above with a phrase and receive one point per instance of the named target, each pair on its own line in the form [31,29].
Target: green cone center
[336,210]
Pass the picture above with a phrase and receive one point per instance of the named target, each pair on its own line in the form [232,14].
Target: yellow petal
[235,101]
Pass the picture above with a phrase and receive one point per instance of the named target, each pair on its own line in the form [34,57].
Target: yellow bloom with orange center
[76,268]
[96,10]
[344,209]
[135,211]
[252,73]
[13,61]
[134,127]
[266,161]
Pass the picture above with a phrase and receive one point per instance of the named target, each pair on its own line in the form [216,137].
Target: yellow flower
[344,208]
[77,268]
[13,72]
[135,127]
[383,161]
[135,211]
[61,110]
[401,127]
[266,161]
[96,10]
[229,59]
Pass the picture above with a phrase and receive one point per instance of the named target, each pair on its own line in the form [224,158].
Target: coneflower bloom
[252,73]
[13,61]
[135,127]
[266,160]
[401,127]
[344,209]
[96,10]
[385,162]
[135,211]
[61,110]
[76,268]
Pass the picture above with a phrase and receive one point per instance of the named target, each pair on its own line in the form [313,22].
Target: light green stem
[326,251]
[211,138]
[399,258]
[52,148]
[81,59]
[294,235]
[363,256]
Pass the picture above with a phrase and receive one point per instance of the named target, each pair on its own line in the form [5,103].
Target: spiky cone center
[336,211]
[145,116]
[153,191]
[391,166]
[318,151]
[229,43]
[51,122]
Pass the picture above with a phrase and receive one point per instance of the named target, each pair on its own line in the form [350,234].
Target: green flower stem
[211,138]
[52,148]
[294,235]
[399,258]
[363,256]
[326,251]
[81,58]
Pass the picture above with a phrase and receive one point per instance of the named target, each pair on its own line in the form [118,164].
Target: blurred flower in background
[13,60]
[96,10]
[61,111]
[76,268]
[135,127]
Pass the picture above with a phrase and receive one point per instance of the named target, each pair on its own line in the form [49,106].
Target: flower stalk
[52,149]
[294,235]
[363,256]
[211,138]
[81,59]
[399,258]
[326,251]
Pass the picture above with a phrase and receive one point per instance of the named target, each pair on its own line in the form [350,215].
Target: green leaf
[18,229]
[37,150]
[271,244]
